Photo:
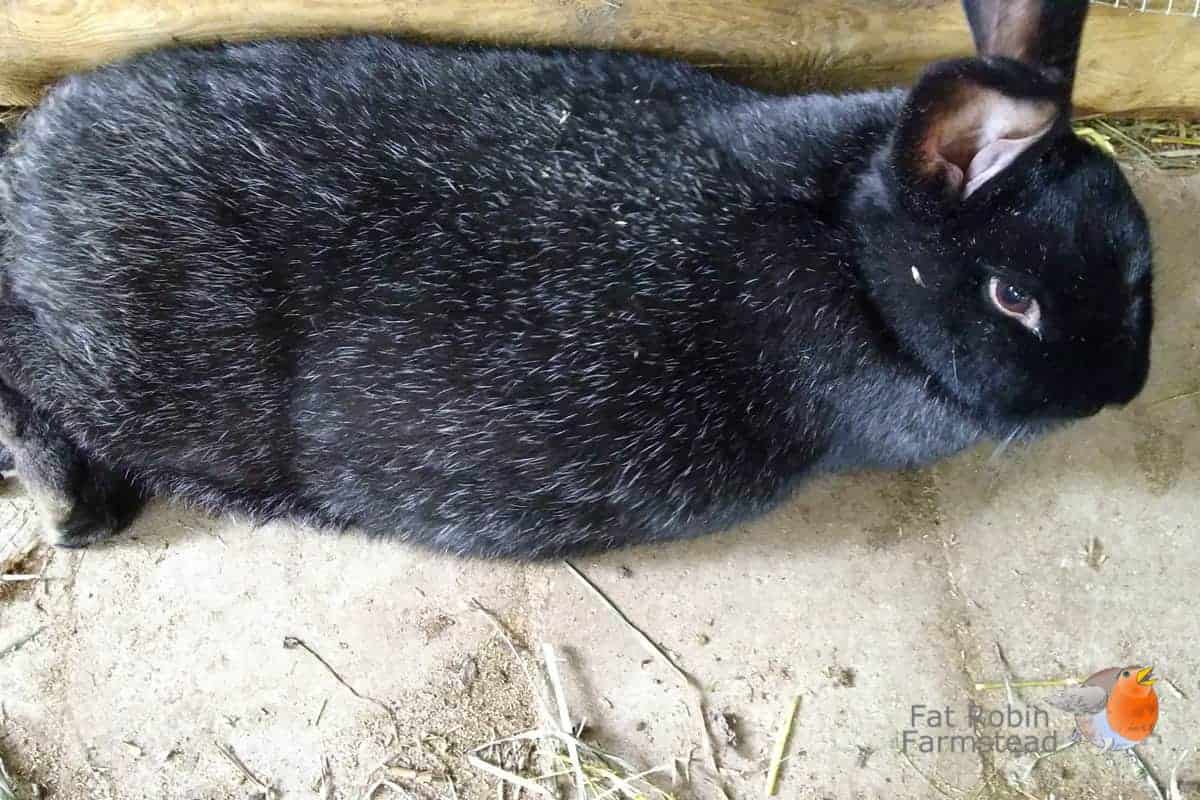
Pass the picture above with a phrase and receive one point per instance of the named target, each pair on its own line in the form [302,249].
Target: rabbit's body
[499,302]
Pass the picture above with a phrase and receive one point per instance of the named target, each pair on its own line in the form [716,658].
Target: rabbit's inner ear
[995,157]
[980,134]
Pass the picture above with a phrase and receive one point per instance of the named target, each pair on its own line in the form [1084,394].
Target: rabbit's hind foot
[102,503]
[84,526]
[79,501]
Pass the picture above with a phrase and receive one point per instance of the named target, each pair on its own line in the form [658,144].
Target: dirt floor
[867,596]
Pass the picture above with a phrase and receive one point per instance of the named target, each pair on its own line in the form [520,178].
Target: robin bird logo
[1114,709]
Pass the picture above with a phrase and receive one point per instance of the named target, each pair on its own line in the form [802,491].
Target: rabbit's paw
[76,525]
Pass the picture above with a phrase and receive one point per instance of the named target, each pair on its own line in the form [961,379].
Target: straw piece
[781,743]
[564,718]
[1052,683]
[656,650]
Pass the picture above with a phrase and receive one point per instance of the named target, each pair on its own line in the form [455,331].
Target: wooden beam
[1130,61]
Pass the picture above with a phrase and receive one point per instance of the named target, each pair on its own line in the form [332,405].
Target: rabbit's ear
[961,128]
[968,122]
[1043,34]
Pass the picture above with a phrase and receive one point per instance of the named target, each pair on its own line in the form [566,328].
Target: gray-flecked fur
[507,303]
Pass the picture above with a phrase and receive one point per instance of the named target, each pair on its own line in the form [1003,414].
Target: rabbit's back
[480,297]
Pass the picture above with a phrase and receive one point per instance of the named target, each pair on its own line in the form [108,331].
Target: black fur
[517,303]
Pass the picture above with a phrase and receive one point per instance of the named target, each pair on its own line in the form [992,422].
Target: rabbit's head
[1009,258]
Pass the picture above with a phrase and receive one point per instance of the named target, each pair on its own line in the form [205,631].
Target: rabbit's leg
[80,501]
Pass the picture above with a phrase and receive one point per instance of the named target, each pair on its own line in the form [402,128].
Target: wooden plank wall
[1131,61]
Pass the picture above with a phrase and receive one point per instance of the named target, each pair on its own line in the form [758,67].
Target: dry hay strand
[9,116]
[589,771]
[781,743]
[20,533]
[1164,144]
[7,790]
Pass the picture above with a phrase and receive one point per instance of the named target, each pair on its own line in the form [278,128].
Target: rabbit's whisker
[1003,446]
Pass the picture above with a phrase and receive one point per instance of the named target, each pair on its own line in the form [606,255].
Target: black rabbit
[520,303]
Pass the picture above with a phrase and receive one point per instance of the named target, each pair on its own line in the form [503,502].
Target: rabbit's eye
[1016,303]
[1010,298]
